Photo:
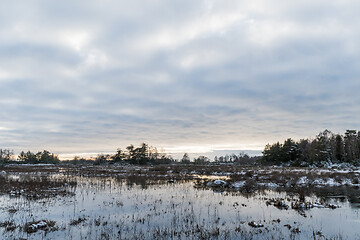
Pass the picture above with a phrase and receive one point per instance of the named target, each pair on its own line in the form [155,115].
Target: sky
[79,77]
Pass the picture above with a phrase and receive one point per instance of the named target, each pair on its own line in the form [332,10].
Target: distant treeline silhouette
[325,148]
[144,154]
[7,156]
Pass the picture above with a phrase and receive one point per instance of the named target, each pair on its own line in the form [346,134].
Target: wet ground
[217,202]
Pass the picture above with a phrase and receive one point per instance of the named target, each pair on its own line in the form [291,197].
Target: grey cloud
[92,76]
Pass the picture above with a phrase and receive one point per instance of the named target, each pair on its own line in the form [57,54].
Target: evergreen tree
[185,158]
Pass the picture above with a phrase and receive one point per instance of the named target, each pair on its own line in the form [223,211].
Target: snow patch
[238,184]
[269,185]
[302,181]
[216,183]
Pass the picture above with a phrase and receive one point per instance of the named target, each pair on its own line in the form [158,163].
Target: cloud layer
[91,76]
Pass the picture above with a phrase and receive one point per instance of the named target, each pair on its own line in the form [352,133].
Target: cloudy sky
[183,75]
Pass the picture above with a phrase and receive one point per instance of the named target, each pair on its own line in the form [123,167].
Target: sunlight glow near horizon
[177,151]
[205,149]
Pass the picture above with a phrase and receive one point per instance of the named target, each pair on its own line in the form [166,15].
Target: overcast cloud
[91,76]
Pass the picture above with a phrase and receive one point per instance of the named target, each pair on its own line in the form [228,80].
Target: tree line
[325,148]
[7,156]
[241,158]
[144,154]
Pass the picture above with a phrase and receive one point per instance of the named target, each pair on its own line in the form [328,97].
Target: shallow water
[119,209]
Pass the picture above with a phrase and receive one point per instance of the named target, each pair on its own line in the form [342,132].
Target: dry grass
[52,181]
[77,221]
[32,187]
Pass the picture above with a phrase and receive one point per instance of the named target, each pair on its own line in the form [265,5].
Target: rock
[217,183]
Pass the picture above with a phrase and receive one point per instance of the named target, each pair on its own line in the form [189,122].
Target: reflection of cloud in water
[141,203]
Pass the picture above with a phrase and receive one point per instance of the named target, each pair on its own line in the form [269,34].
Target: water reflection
[138,207]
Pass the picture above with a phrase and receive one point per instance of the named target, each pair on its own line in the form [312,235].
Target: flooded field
[178,202]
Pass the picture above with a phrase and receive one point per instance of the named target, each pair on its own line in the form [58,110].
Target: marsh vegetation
[178,202]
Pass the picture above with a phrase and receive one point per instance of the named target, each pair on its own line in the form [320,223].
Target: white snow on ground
[255,224]
[330,182]
[299,170]
[318,205]
[36,226]
[269,185]
[318,181]
[338,168]
[238,184]
[216,183]
[302,181]
[346,181]
[40,224]
[241,173]
[221,173]
[34,165]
